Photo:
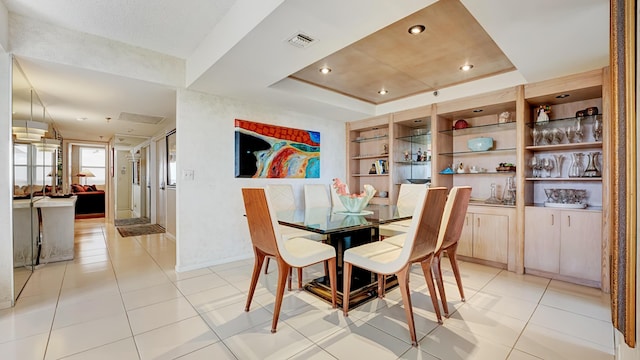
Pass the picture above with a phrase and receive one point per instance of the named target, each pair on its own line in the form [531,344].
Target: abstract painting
[269,151]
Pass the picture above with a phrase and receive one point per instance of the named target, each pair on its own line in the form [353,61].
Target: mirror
[171,158]
[25,221]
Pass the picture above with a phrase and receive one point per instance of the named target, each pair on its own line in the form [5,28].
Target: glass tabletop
[328,220]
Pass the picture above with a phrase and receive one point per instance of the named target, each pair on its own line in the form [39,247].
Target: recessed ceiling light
[562,96]
[416,29]
[466,67]
[417,121]
[325,70]
[81,118]
[478,110]
[383,91]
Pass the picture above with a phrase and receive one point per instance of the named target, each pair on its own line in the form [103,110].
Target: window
[93,159]
[37,171]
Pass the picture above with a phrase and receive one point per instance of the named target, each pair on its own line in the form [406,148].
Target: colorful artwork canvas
[269,151]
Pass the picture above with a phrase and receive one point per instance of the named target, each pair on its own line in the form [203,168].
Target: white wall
[6,187]
[210,225]
[123,182]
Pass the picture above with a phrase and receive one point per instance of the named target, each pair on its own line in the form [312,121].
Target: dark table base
[364,284]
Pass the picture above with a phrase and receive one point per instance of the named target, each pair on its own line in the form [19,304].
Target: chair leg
[346,287]
[403,281]
[333,278]
[440,283]
[257,266]
[381,280]
[266,267]
[289,276]
[428,276]
[283,273]
[451,253]
[299,278]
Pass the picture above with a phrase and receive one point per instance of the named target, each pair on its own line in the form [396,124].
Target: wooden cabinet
[486,233]
[564,242]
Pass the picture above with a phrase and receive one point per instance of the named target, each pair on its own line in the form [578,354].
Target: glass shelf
[584,120]
[569,146]
[412,162]
[481,129]
[361,157]
[369,175]
[423,139]
[365,139]
[564,179]
[465,153]
[485,173]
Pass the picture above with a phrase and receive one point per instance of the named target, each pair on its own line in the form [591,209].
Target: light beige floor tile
[417,354]
[175,340]
[217,351]
[499,328]
[393,321]
[200,283]
[260,343]
[154,316]
[313,353]
[363,341]
[232,319]
[520,355]
[141,281]
[316,322]
[549,344]
[526,287]
[292,300]
[214,298]
[578,299]
[511,306]
[152,295]
[92,309]
[122,350]
[26,320]
[456,344]
[32,347]
[176,276]
[87,335]
[580,326]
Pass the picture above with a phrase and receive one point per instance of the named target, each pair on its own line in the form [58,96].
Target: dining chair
[457,202]
[450,229]
[420,244]
[294,252]
[283,199]
[407,197]
[315,195]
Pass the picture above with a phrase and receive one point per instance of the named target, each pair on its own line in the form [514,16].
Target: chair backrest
[260,220]
[407,196]
[454,213]
[315,195]
[281,197]
[427,227]
[336,204]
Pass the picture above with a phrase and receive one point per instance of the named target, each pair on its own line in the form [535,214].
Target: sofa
[90,200]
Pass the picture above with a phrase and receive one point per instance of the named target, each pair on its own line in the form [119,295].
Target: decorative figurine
[385,149]
[407,156]
[460,169]
[373,169]
[419,156]
[543,115]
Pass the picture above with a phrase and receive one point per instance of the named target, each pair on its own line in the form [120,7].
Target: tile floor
[121,299]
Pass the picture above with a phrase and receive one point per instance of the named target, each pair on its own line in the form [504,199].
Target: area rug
[137,230]
[132,221]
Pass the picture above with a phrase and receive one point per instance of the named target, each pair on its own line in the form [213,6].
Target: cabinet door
[581,245]
[542,239]
[491,237]
[466,237]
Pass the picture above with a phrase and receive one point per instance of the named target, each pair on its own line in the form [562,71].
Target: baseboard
[89,216]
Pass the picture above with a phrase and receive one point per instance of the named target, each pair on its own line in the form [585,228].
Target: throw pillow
[77,188]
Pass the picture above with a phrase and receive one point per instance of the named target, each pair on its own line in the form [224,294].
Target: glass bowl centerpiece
[354,203]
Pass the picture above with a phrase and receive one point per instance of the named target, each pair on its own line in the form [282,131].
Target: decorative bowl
[480,144]
[418,181]
[355,203]
[461,124]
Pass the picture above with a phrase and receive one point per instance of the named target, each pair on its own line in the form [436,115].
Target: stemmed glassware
[558,159]
[547,164]
[597,129]
[557,135]
[533,164]
[537,135]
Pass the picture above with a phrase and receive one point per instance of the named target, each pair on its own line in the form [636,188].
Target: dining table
[344,230]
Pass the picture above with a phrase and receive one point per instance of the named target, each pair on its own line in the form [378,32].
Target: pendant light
[27,130]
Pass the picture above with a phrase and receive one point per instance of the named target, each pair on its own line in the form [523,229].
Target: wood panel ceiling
[406,64]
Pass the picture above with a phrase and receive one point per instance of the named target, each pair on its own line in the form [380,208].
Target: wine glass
[558,135]
[537,135]
[597,129]
[547,164]
[547,136]
[533,164]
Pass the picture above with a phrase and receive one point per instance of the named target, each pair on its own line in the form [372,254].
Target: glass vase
[591,170]
[576,169]
[558,159]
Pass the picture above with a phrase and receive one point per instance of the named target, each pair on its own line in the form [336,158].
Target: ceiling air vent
[142,119]
[301,40]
